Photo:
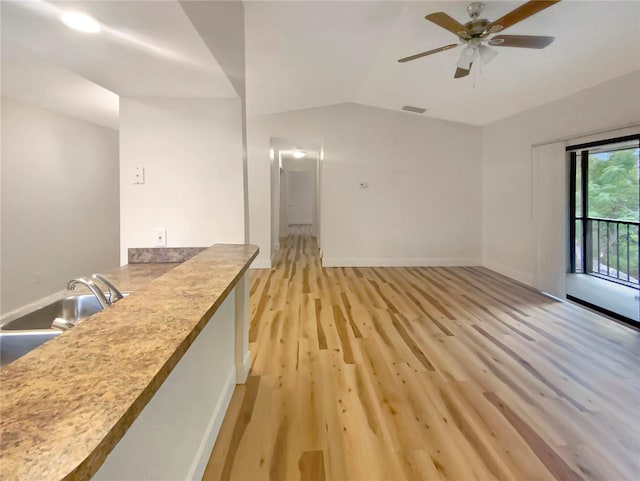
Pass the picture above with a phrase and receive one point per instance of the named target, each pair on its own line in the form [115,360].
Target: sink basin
[15,344]
[72,308]
[20,335]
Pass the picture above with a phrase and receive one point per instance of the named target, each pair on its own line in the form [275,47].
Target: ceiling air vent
[415,110]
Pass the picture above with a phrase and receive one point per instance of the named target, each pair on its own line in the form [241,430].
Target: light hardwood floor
[432,373]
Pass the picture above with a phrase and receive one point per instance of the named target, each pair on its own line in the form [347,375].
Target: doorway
[296,188]
[604,226]
[299,192]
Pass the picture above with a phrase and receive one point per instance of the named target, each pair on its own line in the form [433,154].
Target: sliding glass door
[605,209]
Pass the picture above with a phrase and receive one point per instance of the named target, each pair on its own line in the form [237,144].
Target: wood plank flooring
[426,373]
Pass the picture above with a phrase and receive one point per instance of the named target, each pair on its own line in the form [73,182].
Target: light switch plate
[138,177]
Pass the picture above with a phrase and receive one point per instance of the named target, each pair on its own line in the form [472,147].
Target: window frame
[579,158]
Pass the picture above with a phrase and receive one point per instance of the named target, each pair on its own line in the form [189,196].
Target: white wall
[221,26]
[283,202]
[277,212]
[551,214]
[424,201]
[510,236]
[191,151]
[59,201]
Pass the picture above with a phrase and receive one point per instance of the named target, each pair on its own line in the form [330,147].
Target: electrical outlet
[160,237]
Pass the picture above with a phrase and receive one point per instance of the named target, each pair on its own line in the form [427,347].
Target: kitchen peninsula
[139,390]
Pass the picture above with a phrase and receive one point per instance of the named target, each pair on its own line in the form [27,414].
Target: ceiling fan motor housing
[476,28]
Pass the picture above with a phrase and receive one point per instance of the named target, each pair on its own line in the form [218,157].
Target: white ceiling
[307,54]
[28,78]
[145,48]
[302,54]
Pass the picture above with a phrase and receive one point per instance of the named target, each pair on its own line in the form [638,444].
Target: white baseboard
[213,428]
[398,262]
[242,371]
[515,274]
[261,264]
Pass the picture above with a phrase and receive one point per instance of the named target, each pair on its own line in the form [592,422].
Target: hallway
[431,373]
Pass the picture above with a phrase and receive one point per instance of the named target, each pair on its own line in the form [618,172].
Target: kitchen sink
[22,334]
[15,344]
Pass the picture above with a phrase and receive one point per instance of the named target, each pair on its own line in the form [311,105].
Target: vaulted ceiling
[145,48]
[302,54]
[306,54]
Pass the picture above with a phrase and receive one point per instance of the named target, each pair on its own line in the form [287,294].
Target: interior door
[300,192]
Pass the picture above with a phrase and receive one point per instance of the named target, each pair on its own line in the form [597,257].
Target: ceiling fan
[474,34]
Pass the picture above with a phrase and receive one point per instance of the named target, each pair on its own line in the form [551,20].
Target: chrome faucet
[92,286]
[114,293]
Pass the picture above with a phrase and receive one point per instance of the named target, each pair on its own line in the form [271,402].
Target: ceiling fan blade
[523,11]
[443,20]
[462,72]
[521,41]
[428,52]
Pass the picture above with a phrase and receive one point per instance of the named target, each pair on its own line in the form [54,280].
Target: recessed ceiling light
[80,21]
[298,154]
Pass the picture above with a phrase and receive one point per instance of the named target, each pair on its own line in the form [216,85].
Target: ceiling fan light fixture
[487,54]
[465,59]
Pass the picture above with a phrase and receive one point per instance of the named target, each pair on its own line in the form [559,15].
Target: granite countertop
[65,405]
[126,278]
[135,276]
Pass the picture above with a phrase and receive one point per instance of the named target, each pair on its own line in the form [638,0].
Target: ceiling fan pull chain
[477,61]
